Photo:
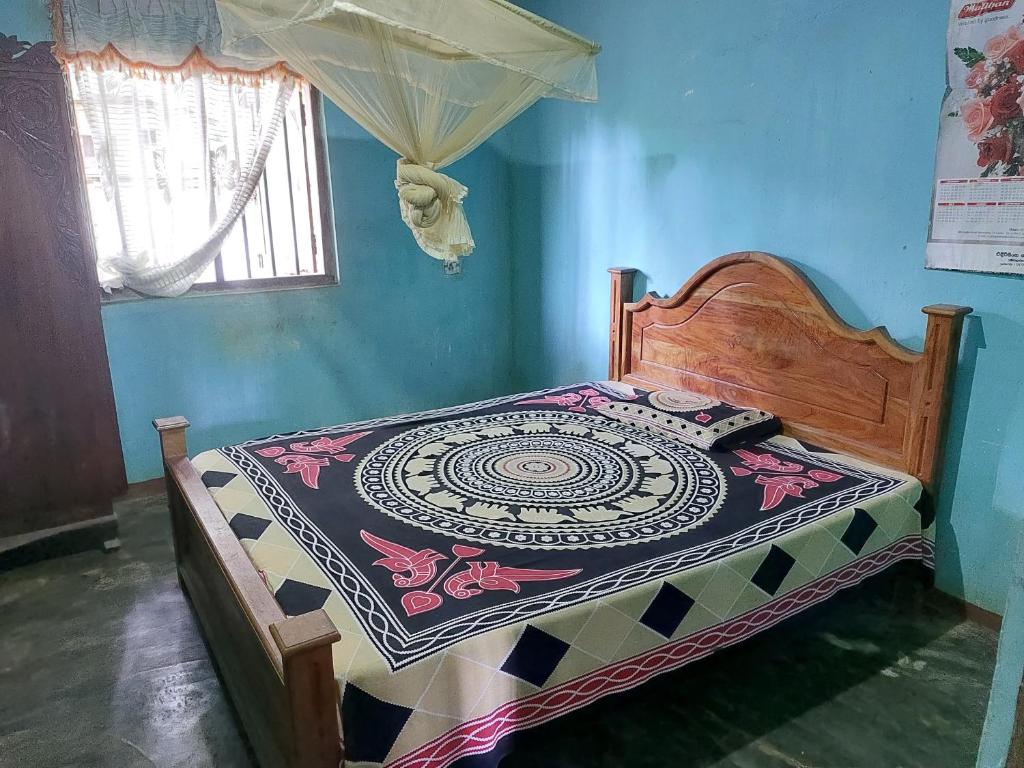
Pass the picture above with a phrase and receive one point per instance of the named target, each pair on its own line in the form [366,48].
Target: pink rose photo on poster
[994,115]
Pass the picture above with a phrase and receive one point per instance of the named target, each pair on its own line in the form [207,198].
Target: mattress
[493,565]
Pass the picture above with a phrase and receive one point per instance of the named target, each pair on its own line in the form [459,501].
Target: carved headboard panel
[751,328]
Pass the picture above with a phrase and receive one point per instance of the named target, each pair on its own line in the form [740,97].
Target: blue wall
[25,18]
[798,127]
[395,335]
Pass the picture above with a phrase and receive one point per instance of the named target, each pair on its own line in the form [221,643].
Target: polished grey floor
[101,664]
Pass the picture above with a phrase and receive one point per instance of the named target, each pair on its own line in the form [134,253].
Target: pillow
[697,420]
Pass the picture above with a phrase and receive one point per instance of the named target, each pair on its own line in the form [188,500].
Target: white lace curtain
[430,79]
[178,162]
[177,132]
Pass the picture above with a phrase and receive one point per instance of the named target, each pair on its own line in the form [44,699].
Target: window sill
[230,287]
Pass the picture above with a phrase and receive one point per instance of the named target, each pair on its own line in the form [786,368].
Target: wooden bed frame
[748,327]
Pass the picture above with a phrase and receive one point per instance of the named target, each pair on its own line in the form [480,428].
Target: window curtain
[172,123]
[430,79]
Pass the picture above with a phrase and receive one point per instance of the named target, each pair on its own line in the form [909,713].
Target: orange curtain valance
[196,63]
[155,39]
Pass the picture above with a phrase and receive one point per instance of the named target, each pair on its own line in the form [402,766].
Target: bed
[412,591]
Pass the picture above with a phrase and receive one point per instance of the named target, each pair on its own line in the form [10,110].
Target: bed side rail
[277,669]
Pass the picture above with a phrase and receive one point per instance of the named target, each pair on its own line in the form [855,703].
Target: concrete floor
[101,664]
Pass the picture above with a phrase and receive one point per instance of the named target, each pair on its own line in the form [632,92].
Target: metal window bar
[169,129]
[218,262]
[291,195]
[143,170]
[269,223]
[258,198]
[309,179]
[111,155]
[238,159]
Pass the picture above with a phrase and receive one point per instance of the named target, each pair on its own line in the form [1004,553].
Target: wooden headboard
[750,328]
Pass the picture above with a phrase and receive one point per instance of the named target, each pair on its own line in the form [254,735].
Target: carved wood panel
[60,452]
[751,329]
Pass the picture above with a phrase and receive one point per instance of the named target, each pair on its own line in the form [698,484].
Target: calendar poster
[977,217]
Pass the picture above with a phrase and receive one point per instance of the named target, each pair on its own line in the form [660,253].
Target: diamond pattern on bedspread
[773,570]
[443,633]
[667,611]
[381,721]
[297,598]
[214,479]
[535,656]
[859,531]
[247,526]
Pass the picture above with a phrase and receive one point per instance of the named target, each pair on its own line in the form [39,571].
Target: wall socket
[452,268]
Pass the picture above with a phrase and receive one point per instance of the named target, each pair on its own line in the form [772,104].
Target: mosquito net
[431,80]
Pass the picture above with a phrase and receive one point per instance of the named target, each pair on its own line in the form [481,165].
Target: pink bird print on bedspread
[421,567]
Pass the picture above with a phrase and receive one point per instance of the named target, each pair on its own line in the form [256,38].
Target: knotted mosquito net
[431,79]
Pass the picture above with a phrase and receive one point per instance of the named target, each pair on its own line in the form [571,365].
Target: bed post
[932,393]
[622,294]
[308,669]
[173,445]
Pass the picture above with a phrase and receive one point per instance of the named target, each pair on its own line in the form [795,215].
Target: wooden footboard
[277,670]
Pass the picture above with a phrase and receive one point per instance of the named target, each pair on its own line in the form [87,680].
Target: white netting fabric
[431,80]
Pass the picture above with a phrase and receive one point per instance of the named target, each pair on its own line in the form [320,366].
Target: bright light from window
[177,147]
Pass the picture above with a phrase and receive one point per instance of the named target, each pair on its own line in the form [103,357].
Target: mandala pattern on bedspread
[541,479]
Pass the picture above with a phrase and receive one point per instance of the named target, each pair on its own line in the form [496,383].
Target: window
[162,157]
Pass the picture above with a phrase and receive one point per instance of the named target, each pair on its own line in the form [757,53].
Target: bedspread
[493,565]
